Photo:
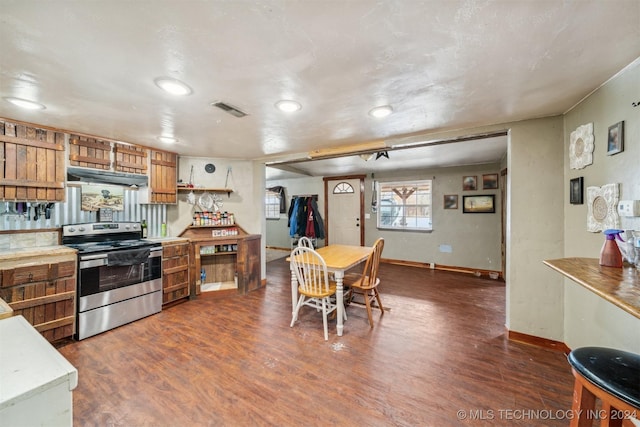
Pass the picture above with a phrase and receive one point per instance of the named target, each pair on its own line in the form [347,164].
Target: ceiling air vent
[229,109]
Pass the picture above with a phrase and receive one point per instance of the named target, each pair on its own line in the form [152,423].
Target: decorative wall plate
[601,208]
[581,147]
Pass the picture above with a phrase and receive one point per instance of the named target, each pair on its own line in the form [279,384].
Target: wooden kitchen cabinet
[175,271]
[42,288]
[32,163]
[88,152]
[228,256]
[163,177]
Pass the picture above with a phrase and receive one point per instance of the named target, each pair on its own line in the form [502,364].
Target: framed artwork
[451,201]
[490,181]
[479,204]
[576,191]
[102,196]
[469,183]
[615,141]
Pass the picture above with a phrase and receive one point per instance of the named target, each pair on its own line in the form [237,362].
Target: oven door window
[103,278]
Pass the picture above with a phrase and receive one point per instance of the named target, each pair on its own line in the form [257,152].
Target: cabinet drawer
[36,273]
[175,250]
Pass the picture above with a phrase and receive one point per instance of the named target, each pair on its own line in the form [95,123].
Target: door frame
[326,180]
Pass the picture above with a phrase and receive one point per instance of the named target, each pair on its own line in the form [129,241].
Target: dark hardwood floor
[438,357]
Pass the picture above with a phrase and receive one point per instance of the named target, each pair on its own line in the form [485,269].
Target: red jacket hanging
[310,231]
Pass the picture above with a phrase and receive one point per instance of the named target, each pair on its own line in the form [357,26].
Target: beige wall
[590,320]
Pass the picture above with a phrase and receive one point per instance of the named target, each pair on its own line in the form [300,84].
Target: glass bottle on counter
[143,226]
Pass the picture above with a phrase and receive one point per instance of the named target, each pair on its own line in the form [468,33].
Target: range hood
[94,176]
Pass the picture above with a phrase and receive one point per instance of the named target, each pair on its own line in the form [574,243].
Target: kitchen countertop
[620,286]
[166,240]
[25,253]
[31,366]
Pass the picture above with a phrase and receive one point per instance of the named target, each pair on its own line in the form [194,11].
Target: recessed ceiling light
[380,112]
[173,86]
[167,139]
[24,103]
[288,106]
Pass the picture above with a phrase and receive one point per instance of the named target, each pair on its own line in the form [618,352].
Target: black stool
[613,376]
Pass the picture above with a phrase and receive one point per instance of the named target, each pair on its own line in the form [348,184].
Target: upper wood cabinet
[89,152]
[159,166]
[163,177]
[32,163]
[130,158]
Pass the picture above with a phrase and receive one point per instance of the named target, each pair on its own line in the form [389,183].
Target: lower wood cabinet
[225,260]
[42,289]
[175,271]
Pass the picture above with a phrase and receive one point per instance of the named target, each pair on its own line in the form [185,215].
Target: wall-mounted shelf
[202,190]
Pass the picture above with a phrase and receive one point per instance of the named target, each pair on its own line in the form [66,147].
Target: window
[405,205]
[272,204]
[343,187]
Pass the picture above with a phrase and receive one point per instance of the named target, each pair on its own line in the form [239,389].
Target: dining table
[339,259]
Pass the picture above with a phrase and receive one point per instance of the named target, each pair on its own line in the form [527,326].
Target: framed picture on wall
[576,191]
[615,141]
[451,201]
[469,183]
[479,204]
[490,181]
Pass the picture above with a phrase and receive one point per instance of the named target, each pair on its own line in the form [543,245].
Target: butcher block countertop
[50,254]
[620,286]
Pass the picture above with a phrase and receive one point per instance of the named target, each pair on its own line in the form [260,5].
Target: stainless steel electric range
[119,275]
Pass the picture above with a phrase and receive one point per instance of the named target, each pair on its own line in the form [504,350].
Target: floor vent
[229,109]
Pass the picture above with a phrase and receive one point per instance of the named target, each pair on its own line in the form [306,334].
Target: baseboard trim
[432,266]
[538,341]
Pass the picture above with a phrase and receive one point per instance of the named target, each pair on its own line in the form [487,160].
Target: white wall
[589,319]
[241,202]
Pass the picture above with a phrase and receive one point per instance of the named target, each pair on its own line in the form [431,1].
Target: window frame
[271,208]
[404,208]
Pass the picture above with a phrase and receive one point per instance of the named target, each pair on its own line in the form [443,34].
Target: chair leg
[367,301]
[295,313]
[584,403]
[379,301]
[324,319]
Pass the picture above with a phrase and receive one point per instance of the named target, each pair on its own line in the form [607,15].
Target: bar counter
[620,286]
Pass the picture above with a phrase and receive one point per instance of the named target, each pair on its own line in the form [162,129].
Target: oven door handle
[93,261]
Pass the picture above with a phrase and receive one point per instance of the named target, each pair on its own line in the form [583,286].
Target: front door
[344,211]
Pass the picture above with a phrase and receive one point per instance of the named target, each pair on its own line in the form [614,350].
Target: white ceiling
[441,64]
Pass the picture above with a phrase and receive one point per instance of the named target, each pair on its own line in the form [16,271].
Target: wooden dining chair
[366,283]
[306,242]
[314,285]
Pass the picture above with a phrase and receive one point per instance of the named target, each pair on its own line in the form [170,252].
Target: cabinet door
[130,158]
[175,272]
[45,294]
[163,177]
[33,166]
[89,152]
[249,264]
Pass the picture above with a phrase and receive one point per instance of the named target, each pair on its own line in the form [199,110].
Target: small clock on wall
[210,168]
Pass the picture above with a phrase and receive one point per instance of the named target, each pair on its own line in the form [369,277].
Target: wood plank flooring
[440,349]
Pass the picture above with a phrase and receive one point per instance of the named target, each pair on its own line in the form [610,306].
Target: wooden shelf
[202,190]
[619,286]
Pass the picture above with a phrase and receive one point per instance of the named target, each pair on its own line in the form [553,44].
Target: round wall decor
[581,147]
[602,205]
[210,168]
